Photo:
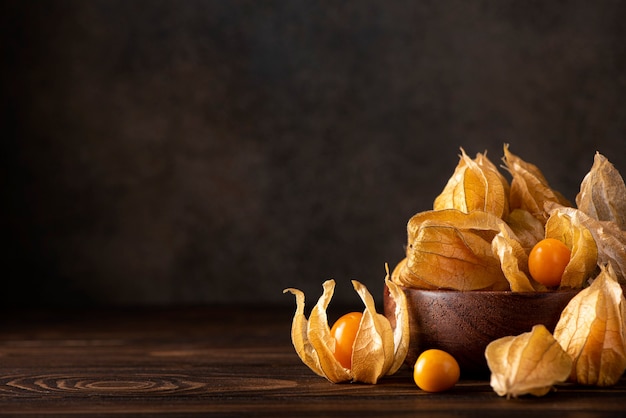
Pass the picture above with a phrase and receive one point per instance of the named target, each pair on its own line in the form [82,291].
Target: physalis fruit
[436,371]
[547,261]
[344,332]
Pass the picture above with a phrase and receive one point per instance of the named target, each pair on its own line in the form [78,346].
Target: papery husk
[313,339]
[401,335]
[529,188]
[323,343]
[487,164]
[610,240]
[372,352]
[602,193]
[528,230]
[449,249]
[528,364]
[378,349]
[475,185]
[592,330]
[481,223]
[403,276]
[584,252]
[299,330]
[514,262]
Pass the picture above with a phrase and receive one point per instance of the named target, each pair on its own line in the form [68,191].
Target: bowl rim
[488,292]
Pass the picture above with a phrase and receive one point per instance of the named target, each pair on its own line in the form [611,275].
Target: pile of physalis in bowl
[485,233]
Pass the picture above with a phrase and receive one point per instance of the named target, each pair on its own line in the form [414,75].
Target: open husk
[578,238]
[378,349]
[609,239]
[528,230]
[514,262]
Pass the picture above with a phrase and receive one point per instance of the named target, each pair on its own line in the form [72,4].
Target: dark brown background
[166,152]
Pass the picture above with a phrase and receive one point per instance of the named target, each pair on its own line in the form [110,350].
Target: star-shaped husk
[378,349]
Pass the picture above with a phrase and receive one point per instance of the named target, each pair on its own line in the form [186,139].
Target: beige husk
[592,329]
[528,364]
[451,249]
[475,185]
[578,238]
[529,188]
[602,193]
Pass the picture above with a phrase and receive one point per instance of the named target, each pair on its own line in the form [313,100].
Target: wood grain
[219,362]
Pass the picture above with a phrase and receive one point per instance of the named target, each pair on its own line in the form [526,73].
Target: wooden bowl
[463,323]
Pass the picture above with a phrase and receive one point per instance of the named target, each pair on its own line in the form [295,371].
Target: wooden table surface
[221,362]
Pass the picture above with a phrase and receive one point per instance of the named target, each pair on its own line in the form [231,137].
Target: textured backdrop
[165,152]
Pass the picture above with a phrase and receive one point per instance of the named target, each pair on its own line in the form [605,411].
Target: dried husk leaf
[530,363]
[610,240]
[299,330]
[584,252]
[602,193]
[323,343]
[480,223]
[378,349]
[450,257]
[373,350]
[514,262]
[528,229]
[447,258]
[592,329]
[403,276]
[475,185]
[529,188]
[486,164]
[401,333]
[453,194]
